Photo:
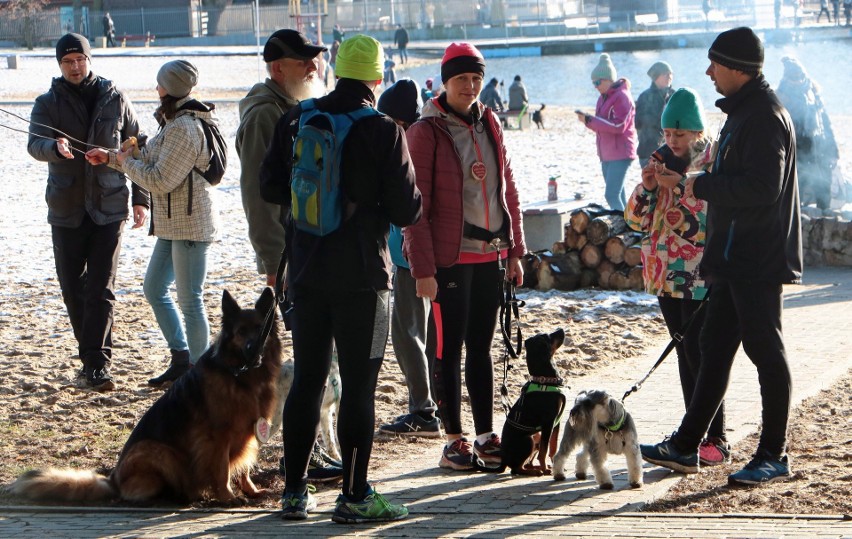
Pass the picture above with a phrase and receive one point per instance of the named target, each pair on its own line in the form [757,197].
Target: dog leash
[509,307]
[677,338]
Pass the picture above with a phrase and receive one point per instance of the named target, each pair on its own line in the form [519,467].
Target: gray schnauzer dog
[602,425]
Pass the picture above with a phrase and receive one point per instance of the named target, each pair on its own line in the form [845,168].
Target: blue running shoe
[668,455]
[763,468]
[296,506]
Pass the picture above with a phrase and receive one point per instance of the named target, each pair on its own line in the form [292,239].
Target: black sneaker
[326,458]
[413,425]
[319,471]
[99,379]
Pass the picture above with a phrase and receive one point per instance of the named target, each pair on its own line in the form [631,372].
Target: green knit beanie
[683,111]
[360,58]
[604,69]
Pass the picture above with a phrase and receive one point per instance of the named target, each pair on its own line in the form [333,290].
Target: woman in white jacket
[184,217]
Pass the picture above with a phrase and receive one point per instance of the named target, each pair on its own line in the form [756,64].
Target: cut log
[591,256]
[573,239]
[637,282]
[558,248]
[605,270]
[633,255]
[619,279]
[615,246]
[561,272]
[580,220]
[601,228]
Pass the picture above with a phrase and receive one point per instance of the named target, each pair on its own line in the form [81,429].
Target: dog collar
[615,427]
[535,386]
[547,380]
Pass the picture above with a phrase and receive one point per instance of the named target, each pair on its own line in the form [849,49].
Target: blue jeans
[614,174]
[183,263]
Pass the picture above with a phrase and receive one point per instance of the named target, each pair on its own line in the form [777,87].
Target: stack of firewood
[598,249]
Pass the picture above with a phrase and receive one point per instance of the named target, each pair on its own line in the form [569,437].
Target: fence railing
[426,17]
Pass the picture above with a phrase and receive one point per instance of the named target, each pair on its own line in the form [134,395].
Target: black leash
[509,307]
[677,338]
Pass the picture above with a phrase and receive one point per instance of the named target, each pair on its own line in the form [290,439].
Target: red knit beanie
[461,58]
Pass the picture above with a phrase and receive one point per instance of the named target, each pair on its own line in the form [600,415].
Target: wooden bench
[521,117]
[146,39]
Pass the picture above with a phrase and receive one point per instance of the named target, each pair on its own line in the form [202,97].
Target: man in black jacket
[339,284]
[753,247]
[87,205]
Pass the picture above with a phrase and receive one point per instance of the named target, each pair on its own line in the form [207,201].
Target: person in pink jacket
[613,123]
[470,230]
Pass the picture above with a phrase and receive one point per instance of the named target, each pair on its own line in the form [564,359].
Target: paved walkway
[816,326]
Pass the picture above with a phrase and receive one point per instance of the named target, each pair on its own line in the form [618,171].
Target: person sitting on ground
[674,228]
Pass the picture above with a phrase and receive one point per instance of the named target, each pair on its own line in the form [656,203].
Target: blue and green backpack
[317,198]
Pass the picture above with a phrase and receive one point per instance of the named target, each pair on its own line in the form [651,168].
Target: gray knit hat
[604,69]
[177,78]
[659,68]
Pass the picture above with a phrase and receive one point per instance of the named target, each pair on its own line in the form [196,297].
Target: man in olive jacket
[87,205]
[292,63]
[753,248]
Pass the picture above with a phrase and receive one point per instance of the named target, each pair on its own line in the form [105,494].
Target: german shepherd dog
[602,426]
[199,435]
[532,425]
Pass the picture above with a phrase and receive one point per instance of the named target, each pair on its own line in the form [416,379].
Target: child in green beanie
[674,228]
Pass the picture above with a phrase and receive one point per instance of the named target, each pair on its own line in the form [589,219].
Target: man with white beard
[292,63]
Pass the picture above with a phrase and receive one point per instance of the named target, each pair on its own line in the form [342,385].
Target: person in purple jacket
[613,123]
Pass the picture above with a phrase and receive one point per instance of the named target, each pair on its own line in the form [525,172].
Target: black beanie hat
[401,101]
[70,43]
[738,49]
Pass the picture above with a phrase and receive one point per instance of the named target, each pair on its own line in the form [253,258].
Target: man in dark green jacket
[87,205]
[753,248]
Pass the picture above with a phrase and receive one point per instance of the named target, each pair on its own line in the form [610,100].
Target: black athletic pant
[747,312]
[357,323]
[676,312]
[465,313]
[86,260]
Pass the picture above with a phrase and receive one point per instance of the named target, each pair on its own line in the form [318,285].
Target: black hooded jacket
[377,176]
[754,229]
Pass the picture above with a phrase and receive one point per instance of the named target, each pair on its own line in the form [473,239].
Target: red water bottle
[551,189]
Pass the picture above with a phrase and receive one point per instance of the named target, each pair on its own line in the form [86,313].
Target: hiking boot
[178,367]
[489,454]
[714,451]
[666,454]
[373,508]
[413,425]
[763,468]
[457,455]
[296,506]
[99,379]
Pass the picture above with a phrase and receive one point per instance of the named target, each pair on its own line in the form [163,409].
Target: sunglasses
[598,82]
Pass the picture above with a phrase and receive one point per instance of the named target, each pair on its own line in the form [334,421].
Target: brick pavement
[816,327]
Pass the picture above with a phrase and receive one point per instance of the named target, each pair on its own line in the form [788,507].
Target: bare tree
[26,14]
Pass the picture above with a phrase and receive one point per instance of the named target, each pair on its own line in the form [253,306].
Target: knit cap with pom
[604,69]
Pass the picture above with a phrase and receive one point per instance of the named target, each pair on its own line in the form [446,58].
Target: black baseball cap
[290,44]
